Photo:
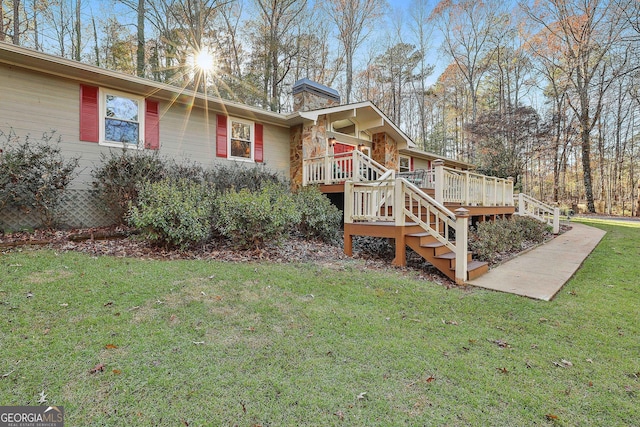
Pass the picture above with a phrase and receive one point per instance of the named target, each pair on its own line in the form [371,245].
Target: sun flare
[204,61]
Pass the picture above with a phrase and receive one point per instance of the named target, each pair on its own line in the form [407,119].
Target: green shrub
[532,230]
[117,179]
[250,219]
[35,174]
[173,212]
[318,216]
[238,177]
[490,239]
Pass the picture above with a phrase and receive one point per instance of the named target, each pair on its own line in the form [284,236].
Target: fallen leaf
[340,415]
[43,397]
[110,346]
[590,384]
[29,294]
[173,318]
[46,331]
[589,361]
[542,320]
[501,343]
[449,322]
[64,304]
[185,423]
[108,304]
[551,417]
[503,370]
[198,342]
[117,372]
[430,379]
[566,363]
[98,368]
[362,396]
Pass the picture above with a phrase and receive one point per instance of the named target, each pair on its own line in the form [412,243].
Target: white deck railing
[337,168]
[528,206]
[397,200]
[471,189]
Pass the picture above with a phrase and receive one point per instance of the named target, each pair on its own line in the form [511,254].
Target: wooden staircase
[422,224]
[441,257]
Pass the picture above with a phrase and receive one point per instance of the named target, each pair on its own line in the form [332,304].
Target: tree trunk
[78,32]
[16,22]
[586,169]
[140,54]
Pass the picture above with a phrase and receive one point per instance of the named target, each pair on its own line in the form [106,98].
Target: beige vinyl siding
[32,103]
[191,135]
[420,164]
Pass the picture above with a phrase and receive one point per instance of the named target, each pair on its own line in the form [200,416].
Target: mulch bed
[121,241]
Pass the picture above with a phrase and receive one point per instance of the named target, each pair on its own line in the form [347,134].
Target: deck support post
[462,244]
[556,220]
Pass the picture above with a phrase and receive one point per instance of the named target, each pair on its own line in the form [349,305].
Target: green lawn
[218,344]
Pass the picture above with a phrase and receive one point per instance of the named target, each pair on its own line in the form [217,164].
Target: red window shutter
[259,144]
[151,125]
[89,112]
[411,164]
[221,136]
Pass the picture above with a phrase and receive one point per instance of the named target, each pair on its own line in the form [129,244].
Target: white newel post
[556,220]
[508,198]
[355,166]
[328,170]
[467,187]
[438,166]
[521,210]
[348,202]
[484,190]
[462,244]
[398,202]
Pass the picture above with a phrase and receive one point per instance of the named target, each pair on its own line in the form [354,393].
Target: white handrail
[341,167]
[471,189]
[528,206]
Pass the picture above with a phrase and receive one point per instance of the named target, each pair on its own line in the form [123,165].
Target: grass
[210,343]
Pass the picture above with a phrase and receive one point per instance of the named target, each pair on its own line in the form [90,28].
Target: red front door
[343,160]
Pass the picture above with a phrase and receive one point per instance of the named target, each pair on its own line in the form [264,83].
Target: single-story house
[96,110]
[386,185]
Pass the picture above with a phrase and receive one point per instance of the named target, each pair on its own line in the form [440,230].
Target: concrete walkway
[541,272]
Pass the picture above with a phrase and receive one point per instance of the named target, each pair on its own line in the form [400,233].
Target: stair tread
[435,244]
[472,265]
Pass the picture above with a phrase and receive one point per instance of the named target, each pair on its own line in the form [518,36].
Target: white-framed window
[241,139]
[404,164]
[121,119]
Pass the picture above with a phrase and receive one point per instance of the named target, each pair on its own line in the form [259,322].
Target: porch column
[438,166]
[462,245]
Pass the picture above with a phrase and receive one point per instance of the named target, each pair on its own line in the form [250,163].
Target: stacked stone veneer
[306,141]
[384,150]
[306,101]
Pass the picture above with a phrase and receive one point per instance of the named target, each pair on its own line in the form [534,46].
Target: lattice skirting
[79,209]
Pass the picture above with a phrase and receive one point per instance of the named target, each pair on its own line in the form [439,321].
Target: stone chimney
[308,95]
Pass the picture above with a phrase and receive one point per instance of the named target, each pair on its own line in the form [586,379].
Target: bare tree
[352,19]
[587,33]
[471,30]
